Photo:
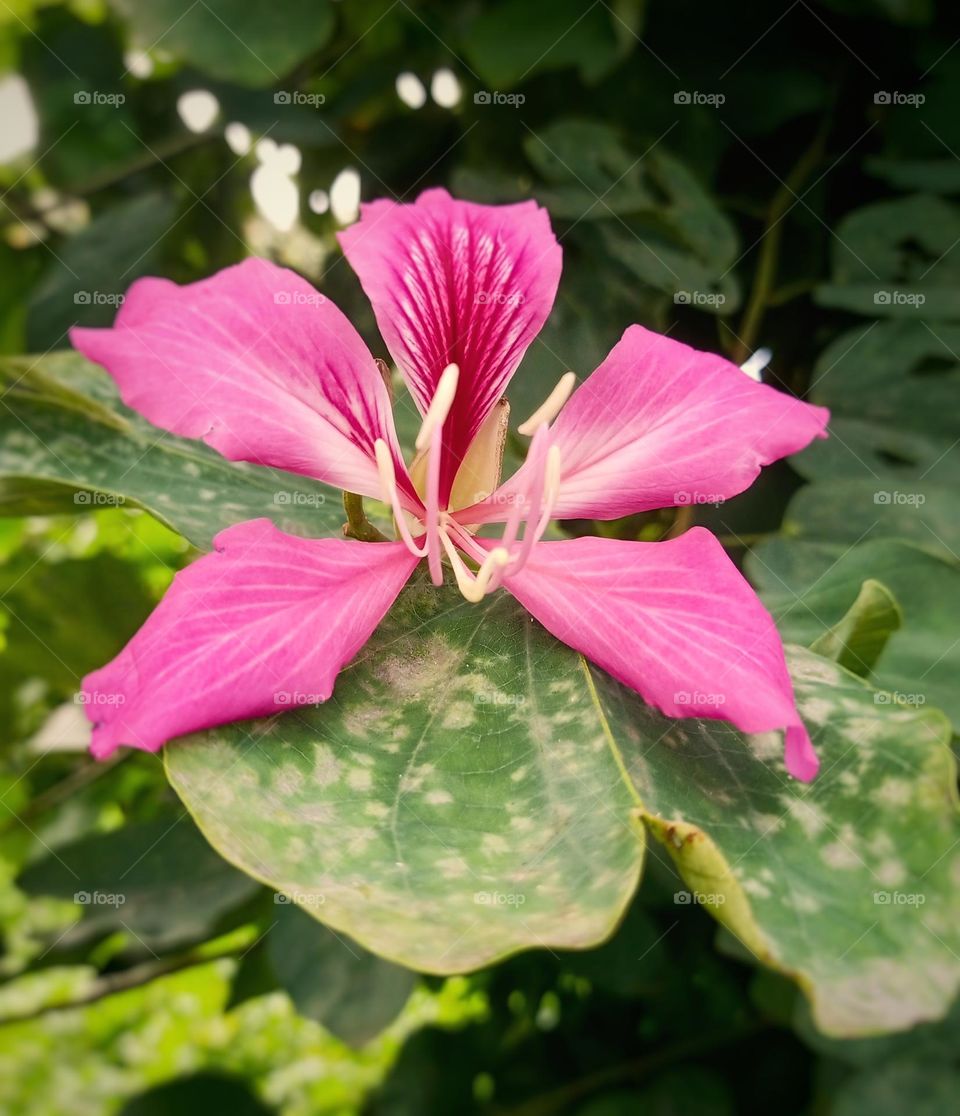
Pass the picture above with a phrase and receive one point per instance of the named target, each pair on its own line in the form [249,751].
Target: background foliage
[782,176]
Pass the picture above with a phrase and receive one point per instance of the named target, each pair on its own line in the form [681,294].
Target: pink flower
[261,367]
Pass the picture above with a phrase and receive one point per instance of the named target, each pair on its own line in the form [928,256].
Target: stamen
[388,482]
[432,521]
[474,587]
[549,491]
[550,408]
[440,404]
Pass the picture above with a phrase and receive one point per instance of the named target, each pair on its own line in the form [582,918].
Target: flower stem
[357,525]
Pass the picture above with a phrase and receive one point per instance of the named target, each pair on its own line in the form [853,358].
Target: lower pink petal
[263,623]
[674,621]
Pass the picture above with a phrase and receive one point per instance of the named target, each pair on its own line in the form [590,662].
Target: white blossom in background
[198,109]
[345,196]
[410,90]
[275,194]
[238,138]
[20,129]
[445,88]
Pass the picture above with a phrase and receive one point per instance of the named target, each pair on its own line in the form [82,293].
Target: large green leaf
[455,801]
[808,587]
[847,884]
[235,40]
[472,789]
[63,428]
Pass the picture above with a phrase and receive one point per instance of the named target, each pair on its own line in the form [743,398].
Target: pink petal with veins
[674,621]
[452,282]
[263,623]
[259,365]
[660,424]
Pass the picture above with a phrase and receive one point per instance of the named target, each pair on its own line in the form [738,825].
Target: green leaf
[92,269]
[158,881]
[860,635]
[514,40]
[454,802]
[472,789]
[891,388]
[333,980]
[900,1086]
[845,884]
[894,259]
[61,424]
[808,586]
[197,1095]
[231,39]
[849,511]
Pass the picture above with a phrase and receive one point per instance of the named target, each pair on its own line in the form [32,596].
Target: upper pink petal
[660,424]
[262,623]
[452,282]
[674,621]
[259,365]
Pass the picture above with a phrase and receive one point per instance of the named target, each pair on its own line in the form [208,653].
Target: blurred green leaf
[62,424]
[85,283]
[157,881]
[333,980]
[236,40]
[860,635]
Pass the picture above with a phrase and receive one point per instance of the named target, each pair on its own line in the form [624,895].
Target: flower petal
[456,283]
[676,622]
[259,365]
[264,622]
[660,424]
